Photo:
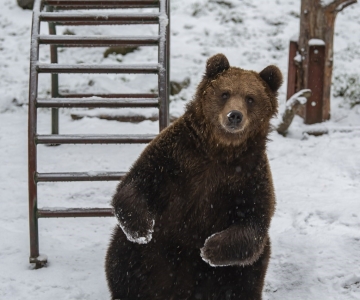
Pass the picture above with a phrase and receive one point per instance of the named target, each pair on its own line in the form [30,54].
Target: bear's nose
[235,117]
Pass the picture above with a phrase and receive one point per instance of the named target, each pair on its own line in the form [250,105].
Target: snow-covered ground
[316,229]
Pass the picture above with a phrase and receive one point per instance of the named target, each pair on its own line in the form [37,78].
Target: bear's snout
[233,121]
[235,117]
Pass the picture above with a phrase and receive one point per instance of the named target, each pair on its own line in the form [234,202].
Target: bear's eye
[249,100]
[225,95]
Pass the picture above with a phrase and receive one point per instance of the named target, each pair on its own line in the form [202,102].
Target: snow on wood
[298,57]
[298,99]
[316,42]
[294,38]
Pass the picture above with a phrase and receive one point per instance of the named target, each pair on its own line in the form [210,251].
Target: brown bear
[195,208]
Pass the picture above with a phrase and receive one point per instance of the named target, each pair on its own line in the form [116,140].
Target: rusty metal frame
[58,100]
[54,77]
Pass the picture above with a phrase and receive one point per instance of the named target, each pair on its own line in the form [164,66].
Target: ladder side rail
[54,77]
[163,59]
[168,35]
[32,131]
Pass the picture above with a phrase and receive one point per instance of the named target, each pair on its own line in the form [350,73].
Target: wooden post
[315,81]
[293,69]
[317,21]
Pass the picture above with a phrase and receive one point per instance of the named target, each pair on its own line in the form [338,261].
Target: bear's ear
[272,76]
[216,64]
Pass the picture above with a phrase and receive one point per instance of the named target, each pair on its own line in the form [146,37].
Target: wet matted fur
[195,208]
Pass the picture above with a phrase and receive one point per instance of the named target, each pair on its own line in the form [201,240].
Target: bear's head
[236,102]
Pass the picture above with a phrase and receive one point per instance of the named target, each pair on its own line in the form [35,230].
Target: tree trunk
[317,21]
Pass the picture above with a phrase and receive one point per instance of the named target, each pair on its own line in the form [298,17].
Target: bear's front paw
[138,230]
[212,251]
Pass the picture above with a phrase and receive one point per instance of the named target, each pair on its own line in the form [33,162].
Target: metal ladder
[43,11]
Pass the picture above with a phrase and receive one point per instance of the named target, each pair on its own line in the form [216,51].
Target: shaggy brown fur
[200,198]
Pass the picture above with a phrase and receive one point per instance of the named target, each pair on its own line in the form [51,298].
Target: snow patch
[297,97]
[42,258]
[313,174]
[294,38]
[93,173]
[326,2]
[298,57]
[316,42]
[134,236]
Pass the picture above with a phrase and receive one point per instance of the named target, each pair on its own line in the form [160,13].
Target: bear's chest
[214,181]
[206,199]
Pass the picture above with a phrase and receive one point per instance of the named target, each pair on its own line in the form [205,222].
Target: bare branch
[336,3]
[344,5]
[295,101]
[339,5]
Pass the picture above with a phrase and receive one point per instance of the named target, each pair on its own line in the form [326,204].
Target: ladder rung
[74,212]
[98,41]
[99,18]
[76,4]
[79,176]
[97,69]
[108,102]
[94,139]
[147,95]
